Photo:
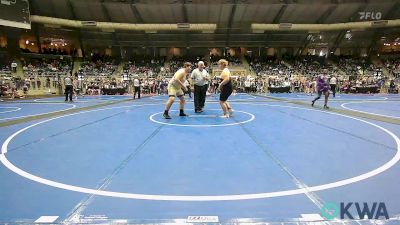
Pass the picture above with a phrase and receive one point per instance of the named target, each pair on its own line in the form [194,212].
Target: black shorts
[225,93]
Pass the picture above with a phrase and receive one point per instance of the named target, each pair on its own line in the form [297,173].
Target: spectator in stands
[346,86]
[14,67]
[286,83]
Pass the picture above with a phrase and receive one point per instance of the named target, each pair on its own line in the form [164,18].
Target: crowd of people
[8,89]
[144,67]
[295,74]
[5,64]
[46,67]
[176,62]
[8,82]
[343,84]
[354,66]
[102,85]
[153,85]
[98,68]
[299,74]
[42,74]
[393,66]
[312,65]
[270,66]
[5,68]
[233,60]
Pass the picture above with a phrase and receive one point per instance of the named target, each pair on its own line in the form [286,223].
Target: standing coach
[200,79]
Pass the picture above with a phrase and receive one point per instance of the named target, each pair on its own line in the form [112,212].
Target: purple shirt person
[322,87]
[322,83]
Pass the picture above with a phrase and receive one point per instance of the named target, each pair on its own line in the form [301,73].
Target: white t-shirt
[333,80]
[67,81]
[136,82]
[198,77]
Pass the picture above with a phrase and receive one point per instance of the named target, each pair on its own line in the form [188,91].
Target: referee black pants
[68,91]
[333,89]
[200,96]
[137,90]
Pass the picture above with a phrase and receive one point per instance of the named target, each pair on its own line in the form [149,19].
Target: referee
[333,83]
[69,88]
[200,79]
[136,86]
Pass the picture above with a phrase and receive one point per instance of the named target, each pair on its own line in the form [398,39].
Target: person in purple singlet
[322,87]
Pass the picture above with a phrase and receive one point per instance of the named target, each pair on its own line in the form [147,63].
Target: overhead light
[27,42]
[285,26]
[348,36]
[56,45]
[51,44]
[32,43]
[89,23]
[183,25]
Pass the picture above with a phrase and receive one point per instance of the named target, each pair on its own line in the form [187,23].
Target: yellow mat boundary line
[53,114]
[341,111]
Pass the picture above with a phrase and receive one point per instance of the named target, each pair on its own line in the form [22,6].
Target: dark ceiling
[233,19]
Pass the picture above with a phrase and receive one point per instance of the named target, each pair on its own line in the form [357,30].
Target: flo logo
[370,15]
[375,211]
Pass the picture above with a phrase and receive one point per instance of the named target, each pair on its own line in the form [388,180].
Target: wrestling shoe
[182,114]
[230,111]
[225,116]
[166,116]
